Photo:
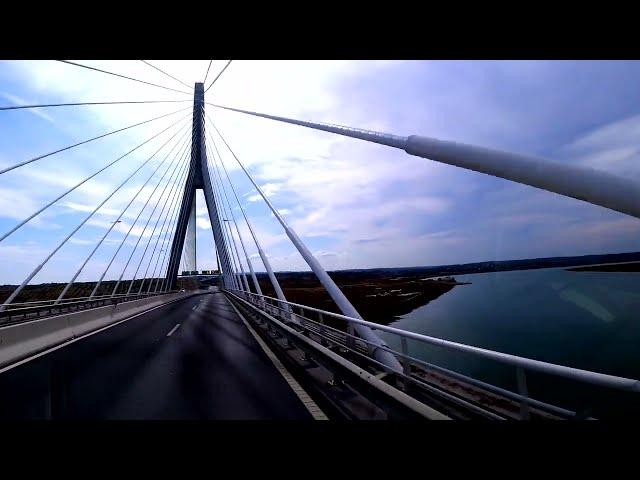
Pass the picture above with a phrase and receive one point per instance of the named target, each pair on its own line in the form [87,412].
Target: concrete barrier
[25,339]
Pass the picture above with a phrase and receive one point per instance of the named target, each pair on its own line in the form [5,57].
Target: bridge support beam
[190,254]
[198,178]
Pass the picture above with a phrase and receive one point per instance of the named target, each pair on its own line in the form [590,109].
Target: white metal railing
[27,311]
[36,303]
[275,307]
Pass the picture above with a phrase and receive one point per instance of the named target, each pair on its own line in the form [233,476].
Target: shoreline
[622,267]
[379,300]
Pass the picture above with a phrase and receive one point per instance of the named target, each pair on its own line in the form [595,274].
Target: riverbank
[380,300]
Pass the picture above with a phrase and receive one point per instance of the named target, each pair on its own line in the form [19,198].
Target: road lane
[209,367]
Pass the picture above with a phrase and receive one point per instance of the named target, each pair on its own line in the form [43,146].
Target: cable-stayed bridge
[138,346]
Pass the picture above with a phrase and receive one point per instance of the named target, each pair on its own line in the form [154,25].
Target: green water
[586,320]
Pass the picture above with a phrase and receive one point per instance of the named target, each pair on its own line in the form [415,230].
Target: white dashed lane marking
[173,330]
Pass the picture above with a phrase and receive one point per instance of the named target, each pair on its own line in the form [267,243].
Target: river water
[587,320]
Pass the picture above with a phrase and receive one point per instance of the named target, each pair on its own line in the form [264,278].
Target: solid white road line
[304,397]
[173,330]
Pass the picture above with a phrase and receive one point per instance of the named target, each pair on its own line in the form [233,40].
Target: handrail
[416,361]
[586,376]
[101,302]
[66,301]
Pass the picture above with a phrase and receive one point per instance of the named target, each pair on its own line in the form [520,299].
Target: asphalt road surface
[193,359]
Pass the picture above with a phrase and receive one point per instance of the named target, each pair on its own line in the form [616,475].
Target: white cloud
[282,211]
[323,253]
[612,147]
[20,102]
[269,189]
[203,223]
[16,203]
[79,241]
[355,203]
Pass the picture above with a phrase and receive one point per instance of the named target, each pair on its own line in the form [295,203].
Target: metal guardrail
[65,300]
[27,311]
[364,349]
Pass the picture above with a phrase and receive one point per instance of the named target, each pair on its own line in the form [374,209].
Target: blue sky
[355,204]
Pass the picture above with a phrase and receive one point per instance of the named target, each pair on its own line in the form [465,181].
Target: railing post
[406,363]
[303,323]
[286,312]
[350,334]
[404,383]
[261,302]
[277,305]
[301,316]
[522,390]
[323,342]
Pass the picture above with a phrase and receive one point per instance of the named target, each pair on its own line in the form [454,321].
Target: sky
[355,204]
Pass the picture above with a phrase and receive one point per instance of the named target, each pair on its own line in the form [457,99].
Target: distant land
[384,294]
[609,267]
[480,267]
[379,294]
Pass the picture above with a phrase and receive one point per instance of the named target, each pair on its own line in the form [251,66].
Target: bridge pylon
[198,178]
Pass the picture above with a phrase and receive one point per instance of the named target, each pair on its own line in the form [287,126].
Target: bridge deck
[210,367]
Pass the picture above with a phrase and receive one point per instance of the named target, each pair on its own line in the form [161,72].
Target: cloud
[612,147]
[79,241]
[282,211]
[22,257]
[323,253]
[368,240]
[16,203]
[35,111]
[354,203]
[90,208]
[618,132]
[203,223]
[269,189]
